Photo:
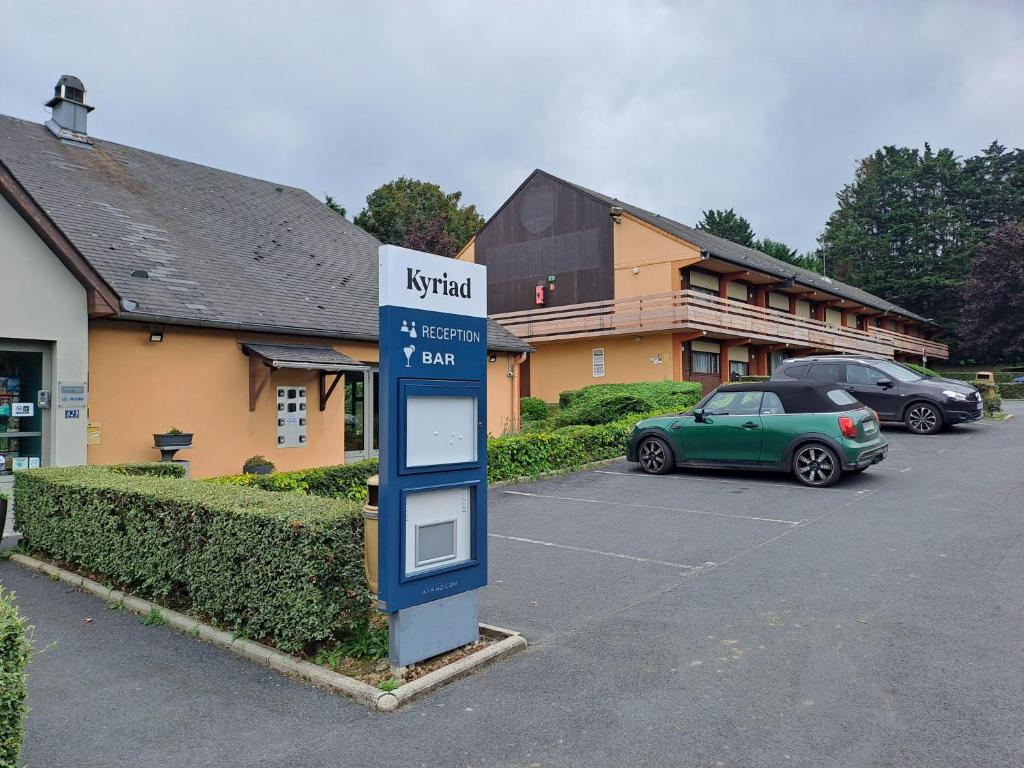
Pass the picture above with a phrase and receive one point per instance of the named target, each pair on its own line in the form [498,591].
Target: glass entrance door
[21,420]
[362,406]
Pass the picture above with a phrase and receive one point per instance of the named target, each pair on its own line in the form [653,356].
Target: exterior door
[862,383]
[24,433]
[362,408]
[729,431]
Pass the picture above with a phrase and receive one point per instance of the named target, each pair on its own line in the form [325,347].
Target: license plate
[869,427]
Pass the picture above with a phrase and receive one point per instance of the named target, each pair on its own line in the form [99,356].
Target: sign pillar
[432,545]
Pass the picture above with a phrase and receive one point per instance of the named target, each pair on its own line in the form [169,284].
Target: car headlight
[954,395]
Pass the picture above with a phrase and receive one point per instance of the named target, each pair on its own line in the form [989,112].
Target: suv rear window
[795,371]
[830,372]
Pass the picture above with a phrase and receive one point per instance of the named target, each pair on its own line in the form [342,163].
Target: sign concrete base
[426,630]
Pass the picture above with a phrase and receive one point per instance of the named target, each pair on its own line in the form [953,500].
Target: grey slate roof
[295,356]
[746,257]
[220,249]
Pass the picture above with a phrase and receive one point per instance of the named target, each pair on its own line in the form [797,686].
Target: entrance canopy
[265,357]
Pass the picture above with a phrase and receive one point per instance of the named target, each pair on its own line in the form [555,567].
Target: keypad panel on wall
[291,417]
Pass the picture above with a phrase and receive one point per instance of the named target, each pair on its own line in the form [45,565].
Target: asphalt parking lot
[696,619]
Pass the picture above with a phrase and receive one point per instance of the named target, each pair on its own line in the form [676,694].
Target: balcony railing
[692,310]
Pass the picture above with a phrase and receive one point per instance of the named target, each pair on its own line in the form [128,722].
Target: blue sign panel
[433,407]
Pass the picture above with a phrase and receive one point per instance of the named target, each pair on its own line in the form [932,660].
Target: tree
[810,261]
[901,231]
[992,323]
[334,205]
[727,224]
[418,214]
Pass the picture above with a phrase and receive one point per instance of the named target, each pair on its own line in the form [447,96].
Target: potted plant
[172,438]
[258,465]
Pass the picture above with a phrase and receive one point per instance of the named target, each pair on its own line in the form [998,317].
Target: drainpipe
[513,370]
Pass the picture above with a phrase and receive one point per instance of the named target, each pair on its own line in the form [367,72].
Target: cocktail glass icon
[408,355]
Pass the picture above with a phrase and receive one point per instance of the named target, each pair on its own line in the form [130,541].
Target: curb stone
[364,693]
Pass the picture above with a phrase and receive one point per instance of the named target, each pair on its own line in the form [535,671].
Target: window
[738,368]
[795,371]
[734,404]
[771,405]
[829,372]
[897,371]
[705,362]
[861,374]
[842,397]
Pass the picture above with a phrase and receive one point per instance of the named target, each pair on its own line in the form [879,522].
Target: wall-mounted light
[156,335]
[492,358]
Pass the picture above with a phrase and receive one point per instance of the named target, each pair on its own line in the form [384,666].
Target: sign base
[432,628]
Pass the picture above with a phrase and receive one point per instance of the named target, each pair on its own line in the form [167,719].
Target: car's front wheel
[923,419]
[816,465]
[654,455]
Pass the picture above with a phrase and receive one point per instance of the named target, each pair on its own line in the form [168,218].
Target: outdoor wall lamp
[156,335]
[492,358]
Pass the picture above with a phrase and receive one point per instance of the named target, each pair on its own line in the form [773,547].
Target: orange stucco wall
[503,395]
[198,380]
[648,260]
[560,366]
[468,252]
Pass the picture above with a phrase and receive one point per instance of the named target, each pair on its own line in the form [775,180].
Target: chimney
[70,112]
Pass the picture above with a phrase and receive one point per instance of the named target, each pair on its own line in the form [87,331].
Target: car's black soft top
[798,396]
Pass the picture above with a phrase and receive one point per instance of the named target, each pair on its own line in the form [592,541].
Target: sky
[677,107]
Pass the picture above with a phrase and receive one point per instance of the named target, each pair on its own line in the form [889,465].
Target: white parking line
[751,483]
[599,552]
[651,506]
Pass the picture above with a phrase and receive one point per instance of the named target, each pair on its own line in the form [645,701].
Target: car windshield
[897,371]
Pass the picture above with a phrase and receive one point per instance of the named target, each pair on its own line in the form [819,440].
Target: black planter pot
[259,469]
[164,440]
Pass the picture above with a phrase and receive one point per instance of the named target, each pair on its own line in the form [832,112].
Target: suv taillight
[847,427]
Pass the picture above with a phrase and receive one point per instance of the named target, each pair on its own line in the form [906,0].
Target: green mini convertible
[816,431]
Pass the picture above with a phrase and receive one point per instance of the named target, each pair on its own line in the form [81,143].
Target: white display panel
[440,430]
[438,531]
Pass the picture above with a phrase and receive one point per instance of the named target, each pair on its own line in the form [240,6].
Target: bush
[921,369]
[752,378]
[271,566]
[586,406]
[1011,391]
[990,399]
[14,655]
[151,468]
[342,481]
[532,409]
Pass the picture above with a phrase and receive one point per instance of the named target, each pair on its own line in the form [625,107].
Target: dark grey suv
[925,404]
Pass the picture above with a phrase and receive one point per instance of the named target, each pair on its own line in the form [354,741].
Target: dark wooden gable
[547,228]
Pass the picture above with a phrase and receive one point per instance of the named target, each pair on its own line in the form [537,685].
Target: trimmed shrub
[150,468]
[281,567]
[586,406]
[532,409]
[342,481]
[921,369]
[14,655]
[1011,390]
[752,378]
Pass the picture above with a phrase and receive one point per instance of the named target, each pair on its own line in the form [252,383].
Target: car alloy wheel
[923,419]
[816,466]
[655,457]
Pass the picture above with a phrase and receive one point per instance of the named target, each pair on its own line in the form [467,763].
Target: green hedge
[605,403]
[971,376]
[752,378]
[921,369]
[281,567]
[532,409]
[1011,390]
[990,398]
[342,481]
[14,655]
[150,468]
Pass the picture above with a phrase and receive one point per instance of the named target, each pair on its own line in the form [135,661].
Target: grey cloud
[675,107]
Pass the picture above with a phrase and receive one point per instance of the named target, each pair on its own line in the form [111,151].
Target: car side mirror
[698,414]
[885,383]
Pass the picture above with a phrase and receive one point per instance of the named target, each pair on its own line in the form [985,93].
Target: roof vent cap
[70,112]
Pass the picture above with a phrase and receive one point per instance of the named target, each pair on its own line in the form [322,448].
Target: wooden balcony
[681,311]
